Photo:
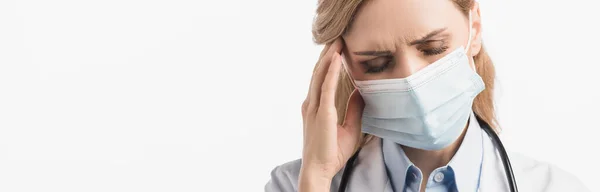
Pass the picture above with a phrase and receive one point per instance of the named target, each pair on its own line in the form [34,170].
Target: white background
[125,95]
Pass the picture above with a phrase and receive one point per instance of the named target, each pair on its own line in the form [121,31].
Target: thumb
[354,109]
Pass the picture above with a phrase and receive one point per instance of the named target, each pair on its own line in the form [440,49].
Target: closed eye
[378,64]
[433,47]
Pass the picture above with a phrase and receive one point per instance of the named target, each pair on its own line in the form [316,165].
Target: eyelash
[429,52]
[435,51]
[379,68]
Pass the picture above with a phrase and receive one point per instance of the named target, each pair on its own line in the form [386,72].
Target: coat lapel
[369,172]
[493,177]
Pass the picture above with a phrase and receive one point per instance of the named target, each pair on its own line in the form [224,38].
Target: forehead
[399,21]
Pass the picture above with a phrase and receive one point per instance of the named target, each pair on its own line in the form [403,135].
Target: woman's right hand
[327,145]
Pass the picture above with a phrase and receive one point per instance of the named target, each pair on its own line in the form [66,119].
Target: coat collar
[369,172]
[493,177]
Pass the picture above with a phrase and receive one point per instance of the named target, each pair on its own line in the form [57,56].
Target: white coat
[370,174]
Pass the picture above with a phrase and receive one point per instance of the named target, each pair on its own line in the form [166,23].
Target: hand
[327,145]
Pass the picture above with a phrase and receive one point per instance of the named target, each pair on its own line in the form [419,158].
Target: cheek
[434,58]
[460,36]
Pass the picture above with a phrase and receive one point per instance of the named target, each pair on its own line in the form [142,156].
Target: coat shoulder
[284,177]
[536,175]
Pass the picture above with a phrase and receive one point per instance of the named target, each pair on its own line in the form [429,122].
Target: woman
[414,76]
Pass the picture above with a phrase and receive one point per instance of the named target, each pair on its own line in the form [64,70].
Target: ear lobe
[475,46]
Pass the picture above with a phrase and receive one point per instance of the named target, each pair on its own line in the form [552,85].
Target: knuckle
[327,111]
[311,108]
[304,108]
[332,71]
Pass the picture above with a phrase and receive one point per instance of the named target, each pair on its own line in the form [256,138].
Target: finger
[354,110]
[330,83]
[319,75]
[307,100]
[323,52]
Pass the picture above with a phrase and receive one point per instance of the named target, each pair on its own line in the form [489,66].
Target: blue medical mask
[427,110]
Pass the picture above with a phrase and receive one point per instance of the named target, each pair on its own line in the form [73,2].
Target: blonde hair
[333,19]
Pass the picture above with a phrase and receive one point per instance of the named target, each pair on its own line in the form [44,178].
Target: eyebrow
[374,53]
[426,37]
[415,42]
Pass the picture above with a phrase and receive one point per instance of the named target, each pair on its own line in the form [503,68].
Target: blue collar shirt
[462,173]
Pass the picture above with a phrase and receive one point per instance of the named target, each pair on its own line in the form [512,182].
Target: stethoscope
[485,126]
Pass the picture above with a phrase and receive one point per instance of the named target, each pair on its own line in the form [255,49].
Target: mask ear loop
[469,41]
[345,64]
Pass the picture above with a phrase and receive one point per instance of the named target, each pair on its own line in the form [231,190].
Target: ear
[476,42]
